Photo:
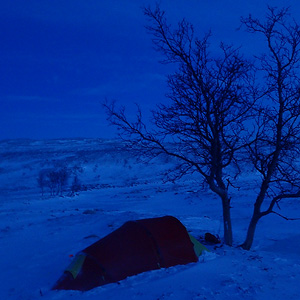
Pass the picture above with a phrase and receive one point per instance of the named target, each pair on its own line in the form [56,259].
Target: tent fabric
[198,247]
[135,247]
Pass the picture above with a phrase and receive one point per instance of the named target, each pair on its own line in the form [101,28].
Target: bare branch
[278,198]
[284,217]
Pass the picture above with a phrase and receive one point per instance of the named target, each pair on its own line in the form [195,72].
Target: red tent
[136,247]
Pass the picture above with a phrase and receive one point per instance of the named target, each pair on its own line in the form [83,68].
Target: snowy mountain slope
[39,235]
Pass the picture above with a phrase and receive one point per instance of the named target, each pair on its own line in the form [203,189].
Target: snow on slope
[39,234]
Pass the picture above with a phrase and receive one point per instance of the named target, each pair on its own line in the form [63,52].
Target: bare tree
[55,180]
[42,181]
[203,126]
[62,179]
[52,179]
[76,185]
[275,152]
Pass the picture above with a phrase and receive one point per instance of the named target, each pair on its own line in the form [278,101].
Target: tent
[135,247]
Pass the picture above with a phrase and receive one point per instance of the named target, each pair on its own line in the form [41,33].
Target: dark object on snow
[136,247]
[212,238]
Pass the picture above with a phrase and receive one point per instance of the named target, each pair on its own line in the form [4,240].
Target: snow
[39,235]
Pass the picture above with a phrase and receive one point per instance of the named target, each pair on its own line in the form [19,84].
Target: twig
[284,217]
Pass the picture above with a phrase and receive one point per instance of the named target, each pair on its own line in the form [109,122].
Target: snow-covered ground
[39,235]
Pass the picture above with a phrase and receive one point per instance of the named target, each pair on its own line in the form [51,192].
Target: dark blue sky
[60,59]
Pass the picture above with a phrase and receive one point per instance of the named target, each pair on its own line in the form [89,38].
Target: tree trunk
[250,233]
[221,191]
[256,211]
[228,237]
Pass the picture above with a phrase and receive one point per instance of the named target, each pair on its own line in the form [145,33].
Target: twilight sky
[60,59]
